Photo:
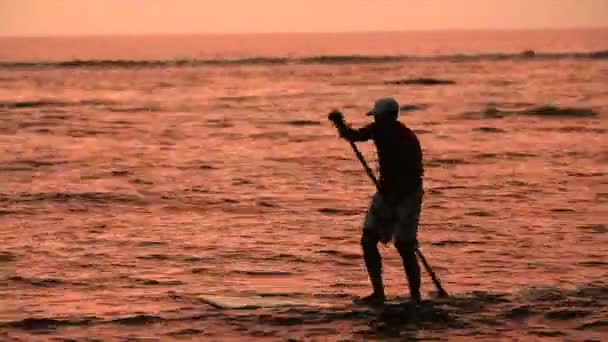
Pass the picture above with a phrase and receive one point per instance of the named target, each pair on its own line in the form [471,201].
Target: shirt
[399,155]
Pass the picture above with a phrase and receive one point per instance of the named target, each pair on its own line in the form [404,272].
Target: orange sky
[81,17]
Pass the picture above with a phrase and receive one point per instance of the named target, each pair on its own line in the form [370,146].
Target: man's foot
[372,300]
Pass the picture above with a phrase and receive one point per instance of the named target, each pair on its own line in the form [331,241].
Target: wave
[29,165]
[52,103]
[141,319]
[338,211]
[322,59]
[48,323]
[6,212]
[303,123]
[185,332]
[440,162]
[83,197]
[7,256]
[260,273]
[341,254]
[421,81]
[42,282]
[158,282]
[575,129]
[95,103]
[545,111]
[553,111]
[488,129]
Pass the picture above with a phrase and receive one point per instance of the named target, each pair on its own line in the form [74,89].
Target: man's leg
[373,263]
[371,254]
[407,250]
[406,241]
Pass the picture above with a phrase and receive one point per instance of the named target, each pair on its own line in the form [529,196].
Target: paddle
[440,290]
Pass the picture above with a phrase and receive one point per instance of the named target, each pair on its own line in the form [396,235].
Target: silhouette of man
[395,209]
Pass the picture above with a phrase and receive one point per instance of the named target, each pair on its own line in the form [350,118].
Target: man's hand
[344,129]
[336,118]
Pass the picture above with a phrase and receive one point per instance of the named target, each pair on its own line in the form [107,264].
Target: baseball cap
[387,106]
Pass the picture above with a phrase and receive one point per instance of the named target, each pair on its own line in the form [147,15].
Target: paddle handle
[440,290]
[369,171]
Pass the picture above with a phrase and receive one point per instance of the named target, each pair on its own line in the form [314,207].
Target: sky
[107,17]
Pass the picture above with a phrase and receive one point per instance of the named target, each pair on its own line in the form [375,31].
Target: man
[395,209]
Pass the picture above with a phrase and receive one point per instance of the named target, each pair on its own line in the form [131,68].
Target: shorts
[398,222]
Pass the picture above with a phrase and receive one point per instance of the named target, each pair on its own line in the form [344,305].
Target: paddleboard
[252,302]
[257,302]
[394,302]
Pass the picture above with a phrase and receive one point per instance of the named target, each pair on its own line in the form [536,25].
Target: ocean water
[139,173]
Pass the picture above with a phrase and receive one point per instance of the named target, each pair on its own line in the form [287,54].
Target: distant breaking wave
[328,59]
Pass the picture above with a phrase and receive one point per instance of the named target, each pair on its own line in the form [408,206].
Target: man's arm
[348,133]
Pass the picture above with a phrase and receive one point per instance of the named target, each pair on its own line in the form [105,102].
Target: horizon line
[237,33]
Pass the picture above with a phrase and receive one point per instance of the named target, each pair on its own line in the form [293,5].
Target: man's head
[385,110]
